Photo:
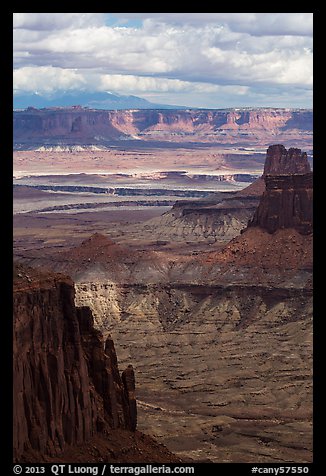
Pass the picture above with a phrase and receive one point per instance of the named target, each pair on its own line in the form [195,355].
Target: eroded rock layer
[85,126]
[223,370]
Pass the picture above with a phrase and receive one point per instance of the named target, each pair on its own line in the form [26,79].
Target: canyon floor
[222,349]
[60,197]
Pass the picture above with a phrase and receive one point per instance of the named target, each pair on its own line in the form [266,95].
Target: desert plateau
[196,261]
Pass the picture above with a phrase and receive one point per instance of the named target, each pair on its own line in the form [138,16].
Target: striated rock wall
[281,161]
[66,386]
[88,126]
[200,223]
[62,124]
[234,356]
[164,306]
[287,201]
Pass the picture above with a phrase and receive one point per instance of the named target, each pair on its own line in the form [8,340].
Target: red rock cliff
[85,126]
[287,201]
[67,387]
[282,161]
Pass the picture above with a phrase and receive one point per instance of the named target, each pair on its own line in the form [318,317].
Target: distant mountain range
[96,100]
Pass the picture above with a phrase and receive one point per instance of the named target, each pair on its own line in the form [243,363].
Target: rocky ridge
[82,126]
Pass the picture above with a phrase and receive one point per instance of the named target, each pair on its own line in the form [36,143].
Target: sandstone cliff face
[66,387]
[63,124]
[287,201]
[94,126]
[281,161]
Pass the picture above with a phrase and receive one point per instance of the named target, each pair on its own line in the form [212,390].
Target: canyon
[218,329]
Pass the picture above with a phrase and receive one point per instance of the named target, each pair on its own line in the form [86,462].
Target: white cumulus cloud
[164,52]
[46,79]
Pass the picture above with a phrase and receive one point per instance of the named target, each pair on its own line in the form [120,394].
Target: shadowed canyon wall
[66,387]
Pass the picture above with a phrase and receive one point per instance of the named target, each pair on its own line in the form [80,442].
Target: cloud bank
[194,59]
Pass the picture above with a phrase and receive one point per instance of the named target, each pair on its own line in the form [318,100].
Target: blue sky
[211,60]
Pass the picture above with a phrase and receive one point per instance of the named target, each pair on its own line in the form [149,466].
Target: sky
[209,60]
